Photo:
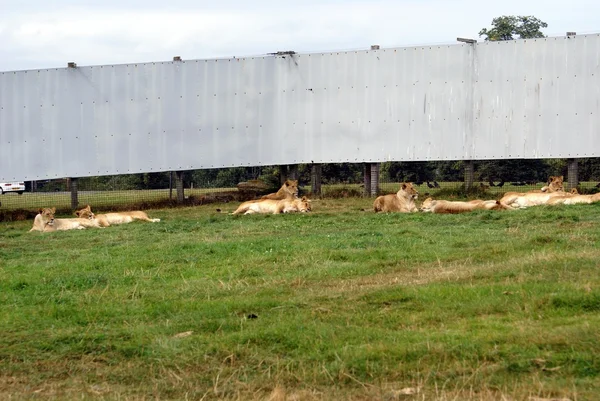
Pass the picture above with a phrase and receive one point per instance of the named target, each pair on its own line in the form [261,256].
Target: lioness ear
[88,207]
[77,213]
[53,210]
[304,199]
[40,210]
[404,185]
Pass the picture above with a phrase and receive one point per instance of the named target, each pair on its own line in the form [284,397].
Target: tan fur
[528,199]
[289,190]
[272,206]
[555,184]
[403,201]
[107,219]
[453,207]
[44,221]
[574,199]
[536,197]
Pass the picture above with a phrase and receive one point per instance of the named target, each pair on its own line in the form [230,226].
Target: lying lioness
[289,190]
[574,199]
[521,201]
[271,206]
[444,206]
[535,197]
[403,201]
[105,220]
[44,221]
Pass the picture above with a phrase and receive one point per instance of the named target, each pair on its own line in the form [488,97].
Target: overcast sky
[49,33]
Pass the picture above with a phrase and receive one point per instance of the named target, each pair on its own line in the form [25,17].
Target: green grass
[337,304]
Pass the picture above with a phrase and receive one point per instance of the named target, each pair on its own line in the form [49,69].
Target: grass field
[340,304]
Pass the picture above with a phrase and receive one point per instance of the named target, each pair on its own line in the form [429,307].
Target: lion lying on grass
[289,190]
[45,222]
[574,199]
[444,206]
[536,197]
[271,206]
[105,220]
[403,201]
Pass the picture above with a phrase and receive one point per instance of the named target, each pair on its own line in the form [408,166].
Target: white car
[17,186]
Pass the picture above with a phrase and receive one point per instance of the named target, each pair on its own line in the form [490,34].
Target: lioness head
[85,213]
[47,215]
[555,184]
[303,205]
[427,205]
[290,187]
[409,189]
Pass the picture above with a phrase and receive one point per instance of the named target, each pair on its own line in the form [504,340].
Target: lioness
[272,206]
[44,221]
[444,206]
[536,197]
[555,184]
[402,201]
[574,199]
[289,190]
[105,220]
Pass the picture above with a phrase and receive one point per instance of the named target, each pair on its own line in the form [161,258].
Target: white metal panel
[529,99]
[538,98]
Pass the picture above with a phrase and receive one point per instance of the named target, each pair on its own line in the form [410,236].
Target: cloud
[49,34]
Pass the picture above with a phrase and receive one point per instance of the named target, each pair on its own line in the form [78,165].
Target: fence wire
[441,179]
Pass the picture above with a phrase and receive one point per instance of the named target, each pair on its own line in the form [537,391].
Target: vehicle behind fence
[442,179]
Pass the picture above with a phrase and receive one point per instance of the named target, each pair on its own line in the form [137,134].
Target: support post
[374,179]
[367,178]
[170,185]
[74,195]
[315,178]
[179,186]
[573,173]
[469,174]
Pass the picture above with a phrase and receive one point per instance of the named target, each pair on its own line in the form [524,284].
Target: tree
[509,26]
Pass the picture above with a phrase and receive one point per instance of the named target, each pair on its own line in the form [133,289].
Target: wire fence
[442,179]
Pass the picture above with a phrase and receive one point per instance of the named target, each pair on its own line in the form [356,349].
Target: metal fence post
[374,179]
[179,186]
[367,178]
[74,195]
[469,173]
[315,178]
[573,173]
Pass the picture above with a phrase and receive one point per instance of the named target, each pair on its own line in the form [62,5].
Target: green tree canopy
[509,27]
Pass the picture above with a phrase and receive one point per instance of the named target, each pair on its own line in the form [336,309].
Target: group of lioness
[286,200]
[552,194]
[45,222]
[283,201]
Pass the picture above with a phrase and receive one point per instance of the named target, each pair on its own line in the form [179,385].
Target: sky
[37,34]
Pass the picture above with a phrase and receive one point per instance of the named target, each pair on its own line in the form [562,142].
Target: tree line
[486,171]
